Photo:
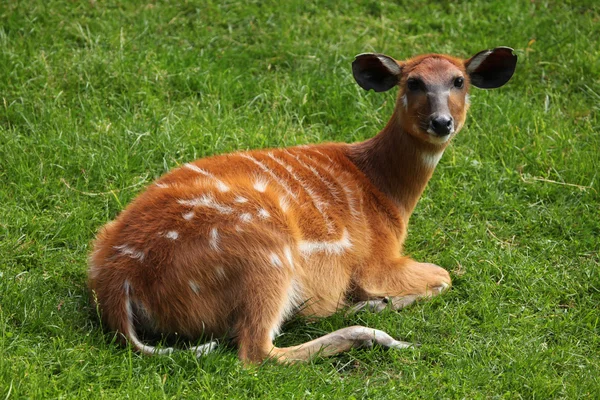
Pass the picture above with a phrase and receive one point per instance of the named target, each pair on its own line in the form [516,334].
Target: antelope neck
[396,163]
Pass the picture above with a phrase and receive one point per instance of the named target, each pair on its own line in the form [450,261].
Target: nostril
[442,125]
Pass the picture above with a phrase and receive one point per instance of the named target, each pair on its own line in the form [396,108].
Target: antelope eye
[459,83]
[413,84]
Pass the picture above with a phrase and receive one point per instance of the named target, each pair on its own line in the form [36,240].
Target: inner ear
[490,69]
[376,71]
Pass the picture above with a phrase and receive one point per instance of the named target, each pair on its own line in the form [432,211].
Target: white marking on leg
[277,179]
[263,214]
[130,251]
[207,201]
[188,215]
[275,260]
[194,286]
[246,217]
[214,239]
[430,160]
[173,235]
[221,186]
[291,303]
[333,248]
[260,184]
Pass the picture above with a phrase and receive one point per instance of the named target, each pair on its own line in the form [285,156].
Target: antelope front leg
[401,284]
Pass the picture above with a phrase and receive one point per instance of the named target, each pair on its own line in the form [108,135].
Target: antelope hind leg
[337,342]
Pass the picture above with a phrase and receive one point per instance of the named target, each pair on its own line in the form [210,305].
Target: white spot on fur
[246,217]
[131,252]
[275,260]
[404,101]
[214,239]
[207,201]
[194,286]
[240,199]
[430,160]
[264,214]
[238,228]
[260,184]
[173,235]
[332,248]
[161,185]
[188,215]
[221,186]
[220,272]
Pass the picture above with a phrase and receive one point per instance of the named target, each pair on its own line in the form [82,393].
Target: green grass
[98,98]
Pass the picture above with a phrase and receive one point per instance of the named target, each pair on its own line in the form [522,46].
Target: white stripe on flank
[284,203]
[277,179]
[207,201]
[288,255]
[320,205]
[214,239]
[129,251]
[350,197]
[221,186]
[331,248]
[330,186]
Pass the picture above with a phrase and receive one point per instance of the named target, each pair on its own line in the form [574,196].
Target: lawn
[99,98]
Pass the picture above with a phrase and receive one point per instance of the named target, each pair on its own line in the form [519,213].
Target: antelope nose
[442,125]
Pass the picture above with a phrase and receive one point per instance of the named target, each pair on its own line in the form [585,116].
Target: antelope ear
[376,71]
[490,69]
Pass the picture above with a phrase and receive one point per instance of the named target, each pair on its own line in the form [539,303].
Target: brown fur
[353,199]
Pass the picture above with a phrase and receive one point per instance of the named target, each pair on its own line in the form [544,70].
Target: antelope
[230,246]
